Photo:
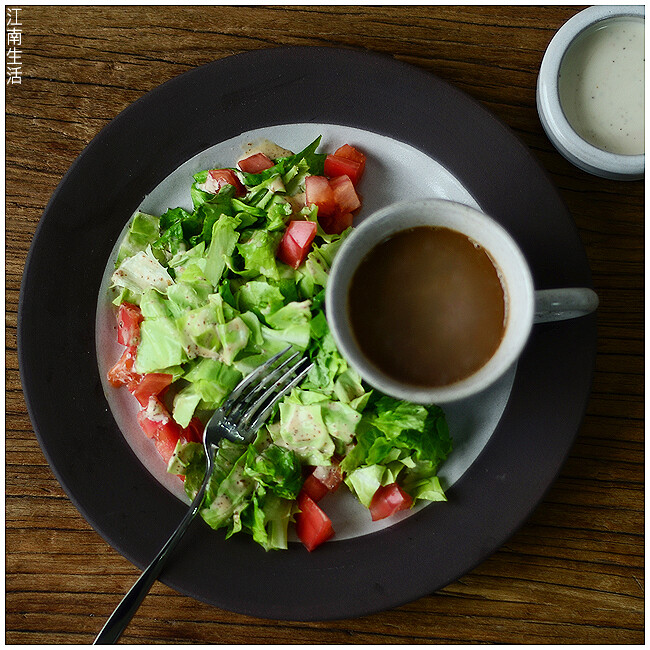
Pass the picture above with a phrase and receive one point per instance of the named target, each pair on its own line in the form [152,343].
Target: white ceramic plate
[389,177]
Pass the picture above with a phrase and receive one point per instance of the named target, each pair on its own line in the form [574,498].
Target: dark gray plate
[56,331]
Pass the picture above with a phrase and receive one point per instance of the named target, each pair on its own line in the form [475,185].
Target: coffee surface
[427,306]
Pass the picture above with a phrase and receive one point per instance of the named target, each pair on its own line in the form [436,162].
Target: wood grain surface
[573,574]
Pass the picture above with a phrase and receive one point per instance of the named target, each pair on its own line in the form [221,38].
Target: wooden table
[573,574]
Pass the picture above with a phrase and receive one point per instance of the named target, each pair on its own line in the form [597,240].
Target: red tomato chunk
[313,526]
[123,372]
[218,178]
[129,318]
[255,164]
[351,153]
[194,430]
[336,224]
[319,193]
[345,195]
[329,475]
[346,160]
[158,425]
[337,166]
[296,242]
[335,199]
[387,500]
[314,489]
[302,232]
[151,385]
[321,481]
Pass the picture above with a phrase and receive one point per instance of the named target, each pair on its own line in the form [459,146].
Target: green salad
[205,296]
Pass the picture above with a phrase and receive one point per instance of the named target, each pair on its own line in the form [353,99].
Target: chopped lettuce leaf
[303,430]
[252,488]
[185,295]
[276,468]
[185,403]
[142,272]
[295,314]
[161,345]
[267,517]
[407,441]
[143,231]
[225,498]
[176,227]
[260,297]
[341,420]
[258,251]
[365,481]
[198,329]
[185,455]
[210,382]
[222,245]
[234,337]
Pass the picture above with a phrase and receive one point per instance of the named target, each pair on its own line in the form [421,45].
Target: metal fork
[238,418]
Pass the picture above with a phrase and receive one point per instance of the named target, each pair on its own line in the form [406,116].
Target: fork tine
[262,408]
[251,397]
[250,378]
[233,419]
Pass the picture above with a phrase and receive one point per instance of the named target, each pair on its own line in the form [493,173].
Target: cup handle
[562,304]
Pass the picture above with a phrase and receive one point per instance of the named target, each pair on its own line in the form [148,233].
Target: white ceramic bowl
[506,255]
[558,129]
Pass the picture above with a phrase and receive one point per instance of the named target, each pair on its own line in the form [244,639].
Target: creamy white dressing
[602,85]
[277,185]
[155,412]
[268,148]
[297,202]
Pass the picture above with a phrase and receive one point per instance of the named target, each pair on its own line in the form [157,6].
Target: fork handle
[123,613]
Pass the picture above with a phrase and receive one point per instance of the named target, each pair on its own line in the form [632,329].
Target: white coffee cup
[523,304]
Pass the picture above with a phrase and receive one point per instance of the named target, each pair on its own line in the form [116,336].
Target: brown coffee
[427,306]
